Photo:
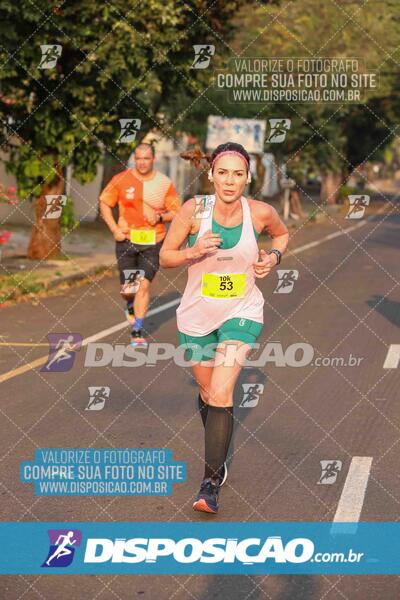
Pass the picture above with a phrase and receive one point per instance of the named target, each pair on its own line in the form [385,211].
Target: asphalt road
[345,302]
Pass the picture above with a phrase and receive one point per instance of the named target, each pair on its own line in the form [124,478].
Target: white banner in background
[248,132]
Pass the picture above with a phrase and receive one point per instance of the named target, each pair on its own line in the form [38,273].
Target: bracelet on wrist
[277,253]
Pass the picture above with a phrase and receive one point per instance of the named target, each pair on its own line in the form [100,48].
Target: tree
[109,62]
[329,138]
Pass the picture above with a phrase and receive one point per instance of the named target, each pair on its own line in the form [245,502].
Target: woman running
[221,306]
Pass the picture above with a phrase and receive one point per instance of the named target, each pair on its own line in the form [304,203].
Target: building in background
[85,196]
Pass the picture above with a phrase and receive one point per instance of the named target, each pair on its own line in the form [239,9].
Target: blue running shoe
[138,340]
[207,498]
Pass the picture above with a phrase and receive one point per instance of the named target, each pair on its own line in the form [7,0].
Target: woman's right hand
[208,242]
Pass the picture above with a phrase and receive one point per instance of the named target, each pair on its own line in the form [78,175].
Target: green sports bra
[230,235]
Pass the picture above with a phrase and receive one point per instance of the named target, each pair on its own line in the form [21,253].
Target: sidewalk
[88,251]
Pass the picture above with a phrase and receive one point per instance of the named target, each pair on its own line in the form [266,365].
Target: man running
[222,308]
[146,200]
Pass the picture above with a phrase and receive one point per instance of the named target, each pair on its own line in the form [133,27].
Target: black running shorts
[134,256]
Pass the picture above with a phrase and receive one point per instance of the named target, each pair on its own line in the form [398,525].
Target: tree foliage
[325,137]
[119,60]
[127,59]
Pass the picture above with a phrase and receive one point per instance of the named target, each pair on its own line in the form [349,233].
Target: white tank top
[197,314]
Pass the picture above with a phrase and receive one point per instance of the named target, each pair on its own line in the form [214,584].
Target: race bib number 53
[144,237]
[223,286]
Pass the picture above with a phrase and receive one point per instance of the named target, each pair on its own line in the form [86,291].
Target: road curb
[95,270]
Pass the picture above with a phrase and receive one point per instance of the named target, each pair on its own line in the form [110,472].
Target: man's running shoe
[223,474]
[130,317]
[138,340]
[207,498]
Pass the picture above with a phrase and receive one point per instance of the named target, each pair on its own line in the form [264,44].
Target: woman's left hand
[264,264]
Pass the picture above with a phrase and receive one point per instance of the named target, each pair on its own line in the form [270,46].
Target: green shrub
[68,222]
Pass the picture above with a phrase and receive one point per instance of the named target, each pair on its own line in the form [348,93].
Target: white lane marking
[153,311]
[328,237]
[353,493]
[392,359]
[336,234]
[93,338]
[124,324]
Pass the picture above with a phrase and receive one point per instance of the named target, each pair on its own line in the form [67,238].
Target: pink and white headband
[230,152]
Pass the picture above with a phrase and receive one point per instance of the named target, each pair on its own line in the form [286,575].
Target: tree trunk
[45,240]
[330,184]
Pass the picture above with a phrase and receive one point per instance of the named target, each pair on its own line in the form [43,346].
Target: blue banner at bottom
[209,548]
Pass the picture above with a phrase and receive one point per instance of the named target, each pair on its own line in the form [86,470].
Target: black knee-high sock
[230,431]
[203,409]
[218,433]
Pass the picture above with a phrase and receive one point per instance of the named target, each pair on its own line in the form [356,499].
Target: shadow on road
[387,308]
[153,323]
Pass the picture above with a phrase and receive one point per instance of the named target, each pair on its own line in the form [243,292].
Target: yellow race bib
[230,285]
[143,237]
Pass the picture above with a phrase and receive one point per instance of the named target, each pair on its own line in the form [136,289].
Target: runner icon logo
[330,470]
[62,547]
[132,279]
[279,129]
[54,206]
[129,129]
[62,351]
[203,54]
[97,397]
[287,277]
[203,206]
[251,394]
[50,55]
[357,206]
